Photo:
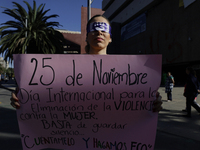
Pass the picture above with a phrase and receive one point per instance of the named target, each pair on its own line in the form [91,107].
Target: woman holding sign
[98,38]
[57,125]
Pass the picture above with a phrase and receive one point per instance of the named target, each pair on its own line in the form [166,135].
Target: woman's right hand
[198,91]
[14,100]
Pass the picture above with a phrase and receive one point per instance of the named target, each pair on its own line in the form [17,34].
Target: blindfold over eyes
[99,26]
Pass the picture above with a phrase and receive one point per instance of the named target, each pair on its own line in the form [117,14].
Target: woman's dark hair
[87,47]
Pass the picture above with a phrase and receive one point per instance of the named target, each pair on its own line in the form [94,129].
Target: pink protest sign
[79,102]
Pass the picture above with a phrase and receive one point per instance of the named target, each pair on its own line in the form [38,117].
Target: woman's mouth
[99,39]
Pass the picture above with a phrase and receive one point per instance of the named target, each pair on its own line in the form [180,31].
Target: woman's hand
[198,91]
[14,100]
[157,103]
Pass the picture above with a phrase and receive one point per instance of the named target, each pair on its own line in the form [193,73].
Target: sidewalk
[174,132]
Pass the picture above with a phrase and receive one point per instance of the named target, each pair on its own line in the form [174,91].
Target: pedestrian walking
[191,91]
[185,110]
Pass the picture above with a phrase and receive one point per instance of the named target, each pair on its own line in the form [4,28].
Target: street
[9,131]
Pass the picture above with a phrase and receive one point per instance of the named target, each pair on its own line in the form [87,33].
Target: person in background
[185,110]
[191,91]
[169,84]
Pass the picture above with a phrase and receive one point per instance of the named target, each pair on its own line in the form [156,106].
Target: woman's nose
[99,32]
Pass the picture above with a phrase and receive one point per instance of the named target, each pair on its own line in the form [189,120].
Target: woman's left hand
[157,103]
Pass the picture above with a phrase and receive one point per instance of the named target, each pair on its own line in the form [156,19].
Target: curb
[6,88]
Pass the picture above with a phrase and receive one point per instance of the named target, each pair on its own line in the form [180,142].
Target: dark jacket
[192,86]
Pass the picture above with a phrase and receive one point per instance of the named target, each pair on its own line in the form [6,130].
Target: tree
[1,69]
[41,36]
[10,72]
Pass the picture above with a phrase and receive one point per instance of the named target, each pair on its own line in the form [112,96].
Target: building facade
[167,27]
[72,42]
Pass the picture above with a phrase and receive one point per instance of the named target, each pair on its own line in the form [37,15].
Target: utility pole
[89,9]
[26,23]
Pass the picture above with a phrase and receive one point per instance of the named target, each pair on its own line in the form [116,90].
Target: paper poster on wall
[134,27]
[81,102]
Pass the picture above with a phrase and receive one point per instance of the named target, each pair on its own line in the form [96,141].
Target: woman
[98,35]
[169,84]
[191,91]
[98,38]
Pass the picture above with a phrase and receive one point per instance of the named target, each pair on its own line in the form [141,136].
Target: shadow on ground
[9,130]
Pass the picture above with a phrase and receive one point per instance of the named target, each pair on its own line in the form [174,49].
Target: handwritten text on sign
[79,102]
